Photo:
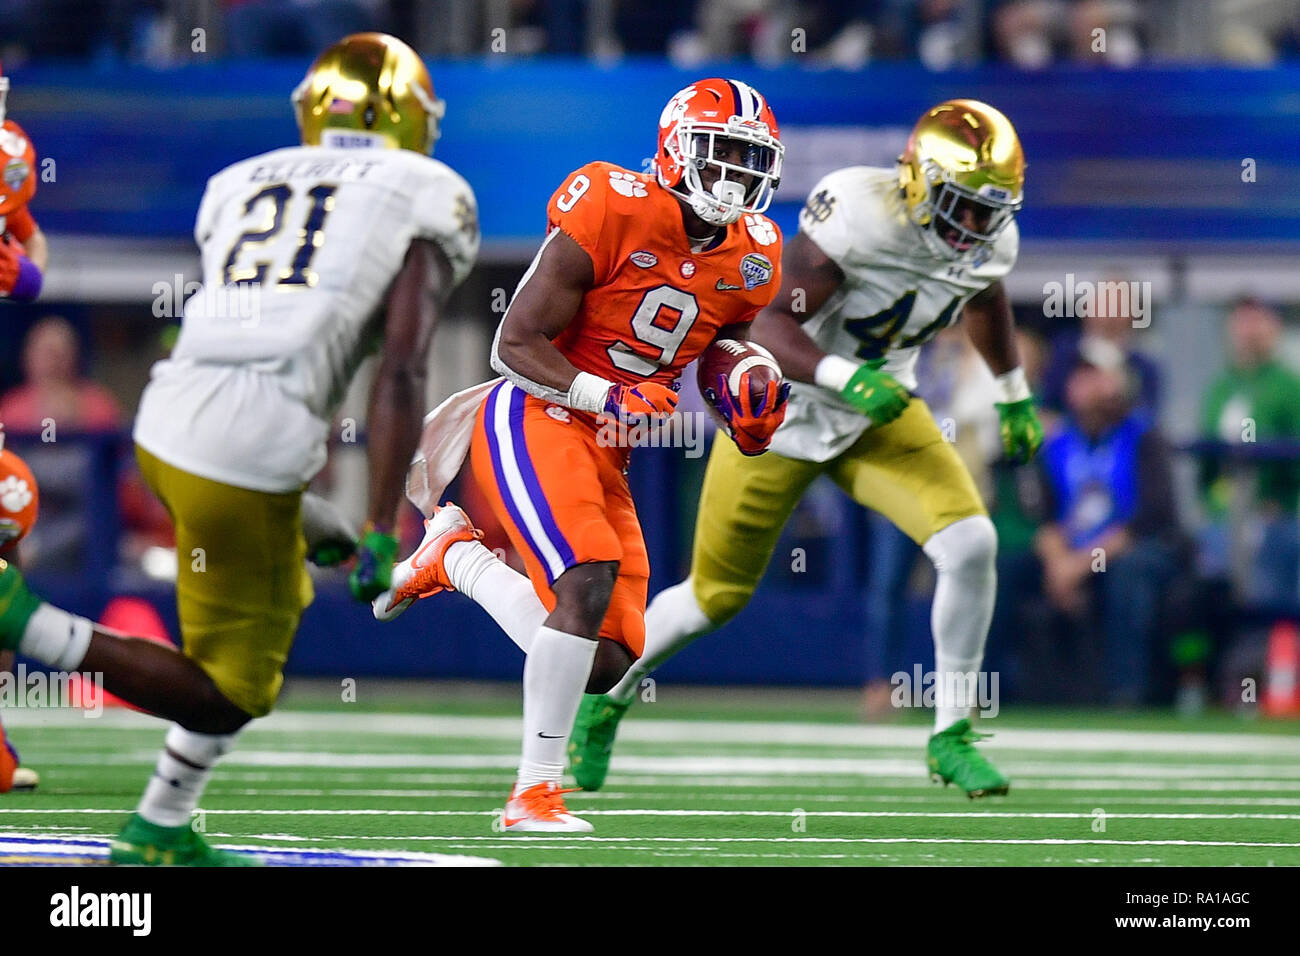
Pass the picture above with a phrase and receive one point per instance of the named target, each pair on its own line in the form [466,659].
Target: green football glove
[373,574]
[875,394]
[1022,432]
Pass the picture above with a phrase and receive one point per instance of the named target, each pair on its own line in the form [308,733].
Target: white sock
[965,557]
[56,638]
[181,774]
[496,587]
[672,621]
[555,675]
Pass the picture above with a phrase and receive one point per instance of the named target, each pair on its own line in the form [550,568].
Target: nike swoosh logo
[724,286]
[507,822]
[549,736]
[416,563]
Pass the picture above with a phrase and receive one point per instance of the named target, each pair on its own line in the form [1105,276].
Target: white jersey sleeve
[445,212]
[827,218]
[896,295]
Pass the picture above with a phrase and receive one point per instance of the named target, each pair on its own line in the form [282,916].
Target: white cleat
[540,809]
[422,574]
[26,778]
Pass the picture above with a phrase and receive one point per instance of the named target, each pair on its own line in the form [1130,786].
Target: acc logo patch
[16,173]
[644,259]
[755,270]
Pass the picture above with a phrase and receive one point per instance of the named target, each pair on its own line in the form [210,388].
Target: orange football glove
[628,403]
[751,427]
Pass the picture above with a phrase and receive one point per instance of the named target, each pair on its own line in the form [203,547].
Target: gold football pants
[241,583]
[904,469]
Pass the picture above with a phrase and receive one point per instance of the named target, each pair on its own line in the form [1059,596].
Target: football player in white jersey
[884,259]
[314,257]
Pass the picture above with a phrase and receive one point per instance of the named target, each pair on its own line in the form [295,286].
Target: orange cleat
[540,809]
[8,765]
[422,574]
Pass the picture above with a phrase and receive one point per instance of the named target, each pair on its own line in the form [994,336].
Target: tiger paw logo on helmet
[15,495]
[19,498]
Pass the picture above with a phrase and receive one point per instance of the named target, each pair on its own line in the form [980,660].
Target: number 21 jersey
[299,247]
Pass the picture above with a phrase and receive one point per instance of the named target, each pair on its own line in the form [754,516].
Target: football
[731,358]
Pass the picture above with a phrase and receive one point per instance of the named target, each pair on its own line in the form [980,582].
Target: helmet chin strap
[726,205]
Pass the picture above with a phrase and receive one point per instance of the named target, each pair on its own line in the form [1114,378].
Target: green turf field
[700,778]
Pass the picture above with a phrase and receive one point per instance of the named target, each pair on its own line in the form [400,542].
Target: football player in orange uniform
[23,256]
[23,250]
[19,501]
[639,273]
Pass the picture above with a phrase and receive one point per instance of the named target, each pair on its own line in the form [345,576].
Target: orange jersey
[655,305]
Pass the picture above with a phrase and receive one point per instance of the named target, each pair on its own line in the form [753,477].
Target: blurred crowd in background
[941,34]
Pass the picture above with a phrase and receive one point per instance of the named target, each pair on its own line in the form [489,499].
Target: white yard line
[781,814]
[611,796]
[653,730]
[560,840]
[699,765]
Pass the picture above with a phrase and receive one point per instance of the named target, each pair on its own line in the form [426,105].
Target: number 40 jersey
[299,247]
[895,297]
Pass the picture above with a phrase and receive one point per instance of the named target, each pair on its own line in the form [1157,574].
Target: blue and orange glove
[20,279]
[752,426]
[376,555]
[631,403]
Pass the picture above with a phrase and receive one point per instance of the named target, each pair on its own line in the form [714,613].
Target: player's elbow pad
[25,283]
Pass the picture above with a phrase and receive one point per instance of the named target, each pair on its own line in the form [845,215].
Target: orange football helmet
[690,128]
[19,498]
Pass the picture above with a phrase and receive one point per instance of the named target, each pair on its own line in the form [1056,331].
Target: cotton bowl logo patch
[755,270]
[644,259]
[16,171]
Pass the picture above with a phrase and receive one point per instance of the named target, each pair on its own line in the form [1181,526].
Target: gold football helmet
[372,85]
[962,176]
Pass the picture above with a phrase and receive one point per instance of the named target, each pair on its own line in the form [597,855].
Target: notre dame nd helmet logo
[819,207]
